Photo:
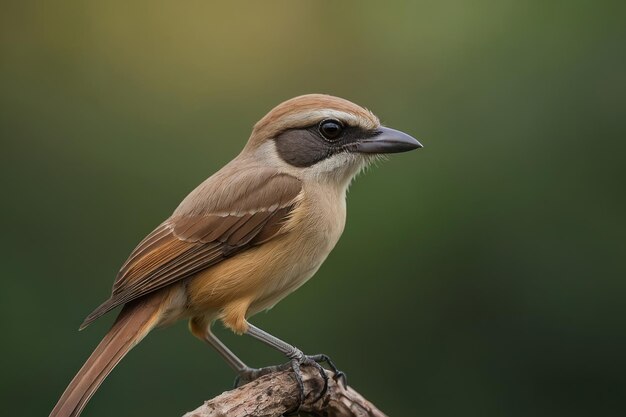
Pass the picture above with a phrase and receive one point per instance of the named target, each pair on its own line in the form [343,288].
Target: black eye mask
[306,147]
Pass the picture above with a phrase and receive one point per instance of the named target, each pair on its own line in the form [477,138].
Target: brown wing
[188,243]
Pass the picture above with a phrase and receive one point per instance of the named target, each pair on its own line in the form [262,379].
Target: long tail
[133,323]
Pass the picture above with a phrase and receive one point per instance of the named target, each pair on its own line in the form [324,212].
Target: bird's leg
[201,328]
[231,359]
[297,358]
[245,373]
[292,352]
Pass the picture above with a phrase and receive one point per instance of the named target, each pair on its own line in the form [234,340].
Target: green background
[480,276]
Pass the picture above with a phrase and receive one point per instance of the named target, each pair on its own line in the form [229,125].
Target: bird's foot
[250,374]
[298,360]
[339,376]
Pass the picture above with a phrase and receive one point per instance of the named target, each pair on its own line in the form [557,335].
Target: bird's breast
[316,226]
[265,274]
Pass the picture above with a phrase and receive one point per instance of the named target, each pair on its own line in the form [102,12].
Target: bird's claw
[298,360]
[305,360]
[339,376]
[250,374]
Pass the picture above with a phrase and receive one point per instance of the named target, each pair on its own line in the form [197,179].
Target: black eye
[330,129]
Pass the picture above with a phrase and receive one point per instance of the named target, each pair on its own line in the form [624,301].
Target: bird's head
[323,138]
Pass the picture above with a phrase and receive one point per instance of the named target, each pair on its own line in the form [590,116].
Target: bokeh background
[480,276]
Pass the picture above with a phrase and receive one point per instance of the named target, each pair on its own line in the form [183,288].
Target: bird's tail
[133,323]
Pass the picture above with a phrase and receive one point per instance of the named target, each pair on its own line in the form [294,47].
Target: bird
[245,238]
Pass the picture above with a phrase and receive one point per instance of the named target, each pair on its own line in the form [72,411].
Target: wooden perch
[277,393]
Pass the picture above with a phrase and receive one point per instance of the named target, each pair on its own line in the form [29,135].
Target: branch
[277,393]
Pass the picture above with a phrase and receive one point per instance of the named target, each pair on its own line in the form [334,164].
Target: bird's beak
[387,140]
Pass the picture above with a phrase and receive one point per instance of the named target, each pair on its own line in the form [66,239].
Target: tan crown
[307,110]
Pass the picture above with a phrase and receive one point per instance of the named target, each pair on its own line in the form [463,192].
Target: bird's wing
[192,240]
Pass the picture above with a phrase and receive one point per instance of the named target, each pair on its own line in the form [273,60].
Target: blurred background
[480,276]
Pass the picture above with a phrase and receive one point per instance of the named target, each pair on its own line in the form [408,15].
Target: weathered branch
[277,393]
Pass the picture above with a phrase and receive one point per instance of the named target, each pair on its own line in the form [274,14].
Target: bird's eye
[330,129]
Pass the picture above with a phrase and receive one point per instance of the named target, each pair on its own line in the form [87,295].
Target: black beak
[387,140]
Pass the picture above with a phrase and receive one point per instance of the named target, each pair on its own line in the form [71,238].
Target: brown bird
[245,238]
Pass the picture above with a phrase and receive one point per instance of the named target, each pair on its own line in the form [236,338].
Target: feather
[193,240]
